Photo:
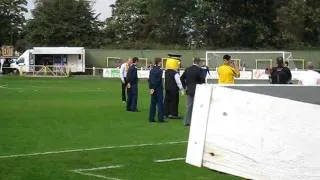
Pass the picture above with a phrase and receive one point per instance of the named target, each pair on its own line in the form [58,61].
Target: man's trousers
[187,120]
[156,101]
[132,98]
[171,102]
[124,88]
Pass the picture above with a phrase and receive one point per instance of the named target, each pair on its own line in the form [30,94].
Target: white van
[72,57]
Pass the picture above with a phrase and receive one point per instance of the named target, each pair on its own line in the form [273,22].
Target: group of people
[167,106]
[174,85]
[281,74]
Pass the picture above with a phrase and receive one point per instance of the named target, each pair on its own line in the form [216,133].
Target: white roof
[58,50]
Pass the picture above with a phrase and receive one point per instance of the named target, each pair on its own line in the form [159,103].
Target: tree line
[150,24]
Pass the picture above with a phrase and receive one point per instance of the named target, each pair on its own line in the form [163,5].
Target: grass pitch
[77,128]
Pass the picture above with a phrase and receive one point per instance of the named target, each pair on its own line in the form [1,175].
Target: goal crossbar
[286,55]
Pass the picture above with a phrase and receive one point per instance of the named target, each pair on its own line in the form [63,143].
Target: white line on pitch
[168,160]
[5,87]
[90,149]
[95,175]
[100,168]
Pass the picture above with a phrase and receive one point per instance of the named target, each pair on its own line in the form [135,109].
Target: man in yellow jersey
[228,71]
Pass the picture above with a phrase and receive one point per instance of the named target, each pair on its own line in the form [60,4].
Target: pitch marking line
[100,168]
[86,173]
[90,149]
[96,175]
[169,160]
[6,87]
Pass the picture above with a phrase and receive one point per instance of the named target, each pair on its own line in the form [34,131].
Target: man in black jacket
[280,74]
[190,78]
[156,91]
[132,78]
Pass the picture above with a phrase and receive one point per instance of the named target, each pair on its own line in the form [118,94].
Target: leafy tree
[127,23]
[163,22]
[11,20]
[299,22]
[64,23]
[172,20]
[216,23]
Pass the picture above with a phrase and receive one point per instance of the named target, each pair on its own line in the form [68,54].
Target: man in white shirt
[309,77]
[123,76]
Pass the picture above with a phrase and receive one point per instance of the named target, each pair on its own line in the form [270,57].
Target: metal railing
[45,71]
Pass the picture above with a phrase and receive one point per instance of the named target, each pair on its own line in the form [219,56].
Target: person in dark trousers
[156,91]
[172,87]
[190,78]
[280,74]
[132,78]
[123,76]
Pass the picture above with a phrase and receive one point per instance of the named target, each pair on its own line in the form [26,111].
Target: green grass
[41,115]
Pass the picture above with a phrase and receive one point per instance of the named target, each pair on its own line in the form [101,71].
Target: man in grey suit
[189,79]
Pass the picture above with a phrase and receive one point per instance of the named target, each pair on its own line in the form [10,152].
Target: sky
[101,6]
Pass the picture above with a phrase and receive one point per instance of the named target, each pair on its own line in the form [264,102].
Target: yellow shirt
[227,74]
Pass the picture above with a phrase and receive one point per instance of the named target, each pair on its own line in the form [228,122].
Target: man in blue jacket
[156,91]
[132,79]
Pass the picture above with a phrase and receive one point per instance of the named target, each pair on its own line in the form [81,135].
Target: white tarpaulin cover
[255,136]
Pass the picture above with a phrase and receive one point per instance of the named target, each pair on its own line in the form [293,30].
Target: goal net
[114,62]
[296,63]
[143,62]
[163,61]
[246,59]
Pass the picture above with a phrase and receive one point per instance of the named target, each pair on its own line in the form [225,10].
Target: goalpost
[296,63]
[113,62]
[263,63]
[143,62]
[248,59]
[163,62]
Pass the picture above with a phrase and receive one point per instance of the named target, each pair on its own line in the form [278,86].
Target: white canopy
[58,50]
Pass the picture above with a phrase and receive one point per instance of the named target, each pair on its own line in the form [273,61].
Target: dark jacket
[205,71]
[190,78]
[280,75]
[155,78]
[132,75]
[170,82]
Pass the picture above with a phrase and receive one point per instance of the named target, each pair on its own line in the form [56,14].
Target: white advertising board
[115,73]
[259,74]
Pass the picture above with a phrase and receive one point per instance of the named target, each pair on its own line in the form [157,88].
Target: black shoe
[135,110]
[153,121]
